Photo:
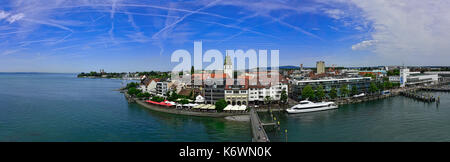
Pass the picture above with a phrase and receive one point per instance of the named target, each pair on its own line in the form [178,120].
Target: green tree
[308,93]
[354,90]
[373,76]
[284,97]
[142,95]
[344,90]
[220,105]
[146,94]
[396,85]
[133,91]
[380,86]
[191,95]
[192,70]
[320,93]
[373,88]
[167,94]
[132,84]
[387,85]
[157,99]
[268,100]
[394,72]
[333,93]
[173,96]
[183,101]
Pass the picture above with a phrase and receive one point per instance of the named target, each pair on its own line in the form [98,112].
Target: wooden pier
[419,96]
[258,132]
[360,99]
[437,89]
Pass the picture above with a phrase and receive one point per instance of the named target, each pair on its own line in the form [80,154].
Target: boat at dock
[308,106]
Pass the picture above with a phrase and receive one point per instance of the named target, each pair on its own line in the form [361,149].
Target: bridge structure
[258,132]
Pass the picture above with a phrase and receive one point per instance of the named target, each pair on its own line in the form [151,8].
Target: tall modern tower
[228,67]
[403,76]
[320,67]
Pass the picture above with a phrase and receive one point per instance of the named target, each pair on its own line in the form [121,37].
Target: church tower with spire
[228,67]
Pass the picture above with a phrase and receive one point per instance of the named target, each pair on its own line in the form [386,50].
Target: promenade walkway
[258,132]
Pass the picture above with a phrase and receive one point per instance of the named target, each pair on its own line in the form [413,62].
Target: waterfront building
[258,93]
[361,83]
[403,75]
[395,79]
[149,85]
[408,78]
[214,92]
[444,74]
[162,88]
[214,85]
[320,65]
[177,85]
[237,93]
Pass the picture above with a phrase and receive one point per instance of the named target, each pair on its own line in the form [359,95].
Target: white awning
[228,108]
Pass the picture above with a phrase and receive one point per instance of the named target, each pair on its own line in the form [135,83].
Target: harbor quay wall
[178,111]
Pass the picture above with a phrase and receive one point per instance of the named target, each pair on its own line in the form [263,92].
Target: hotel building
[361,83]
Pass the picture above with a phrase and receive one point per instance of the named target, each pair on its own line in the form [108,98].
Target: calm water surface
[61,107]
[394,119]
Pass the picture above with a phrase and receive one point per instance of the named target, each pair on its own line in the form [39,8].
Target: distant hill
[289,67]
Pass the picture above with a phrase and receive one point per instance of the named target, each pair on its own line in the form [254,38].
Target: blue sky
[137,35]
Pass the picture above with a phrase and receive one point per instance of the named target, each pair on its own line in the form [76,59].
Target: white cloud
[9,52]
[364,45]
[15,17]
[335,13]
[11,18]
[413,31]
[3,15]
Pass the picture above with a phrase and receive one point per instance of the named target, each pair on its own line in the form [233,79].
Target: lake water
[393,119]
[61,107]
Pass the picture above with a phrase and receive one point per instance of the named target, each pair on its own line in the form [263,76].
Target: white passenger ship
[308,106]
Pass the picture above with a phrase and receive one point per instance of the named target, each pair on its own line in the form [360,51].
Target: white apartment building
[257,94]
[162,88]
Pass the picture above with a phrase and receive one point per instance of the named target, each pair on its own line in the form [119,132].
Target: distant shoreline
[93,77]
[36,73]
